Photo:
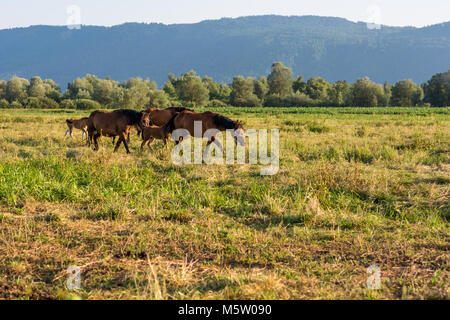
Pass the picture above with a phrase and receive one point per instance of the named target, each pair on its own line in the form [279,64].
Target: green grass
[356,187]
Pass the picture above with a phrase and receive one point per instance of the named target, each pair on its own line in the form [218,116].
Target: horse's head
[239,134]
[145,120]
[70,122]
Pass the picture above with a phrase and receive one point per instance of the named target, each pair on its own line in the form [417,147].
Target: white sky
[20,13]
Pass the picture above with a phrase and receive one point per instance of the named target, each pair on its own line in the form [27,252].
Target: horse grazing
[211,122]
[160,117]
[115,123]
[80,124]
[149,134]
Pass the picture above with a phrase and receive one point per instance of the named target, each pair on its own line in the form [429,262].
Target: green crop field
[357,187]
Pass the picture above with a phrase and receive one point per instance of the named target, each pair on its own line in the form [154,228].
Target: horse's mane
[179,109]
[133,115]
[224,122]
[170,126]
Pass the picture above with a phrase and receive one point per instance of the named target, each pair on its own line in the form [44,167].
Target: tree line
[279,89]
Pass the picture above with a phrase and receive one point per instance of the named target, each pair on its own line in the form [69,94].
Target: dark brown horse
[115,123]
[160,117]
[211,123]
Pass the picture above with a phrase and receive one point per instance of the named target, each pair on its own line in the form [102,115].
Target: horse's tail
[170,125]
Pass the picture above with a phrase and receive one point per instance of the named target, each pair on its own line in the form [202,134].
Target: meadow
[357,187]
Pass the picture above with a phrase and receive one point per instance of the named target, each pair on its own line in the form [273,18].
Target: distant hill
[333,48]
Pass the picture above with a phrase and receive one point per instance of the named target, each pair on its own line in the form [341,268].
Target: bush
[216,104]
[40,103]
[67,104]
[4,103]
[15,105]
[300,100]
[292,100]
[87,104]
[48,103]
[32,103]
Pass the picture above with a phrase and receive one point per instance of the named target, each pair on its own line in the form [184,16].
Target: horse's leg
[143,144]
[150,143]
[114,140]
[66,133]
[218,144]
[96,136]
[71,133]
[118,143]
[124,140]
[90,139]
[128,138]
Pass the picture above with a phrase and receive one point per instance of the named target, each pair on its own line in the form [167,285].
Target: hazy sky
[19,13]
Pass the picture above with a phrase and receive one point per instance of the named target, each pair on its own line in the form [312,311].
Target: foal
[149,134]
[81,124]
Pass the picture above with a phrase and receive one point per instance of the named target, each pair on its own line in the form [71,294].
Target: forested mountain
[332,48]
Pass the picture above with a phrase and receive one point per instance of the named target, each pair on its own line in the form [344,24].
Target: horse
[160,117]
[149,134]
[116,123]
[80,124]
[209,120]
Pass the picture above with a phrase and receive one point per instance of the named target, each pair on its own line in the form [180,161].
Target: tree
[406,93]
[137,92]
[338,93]
[212,86]
[52,90]
[242,94]
[280,80]
[191,89]
[437,90]
[169,89]
[158,99]
[118,97]
[387,92]
[299,85]
[261,88]
[103,91]
[79,89]
[36,88]
[316,88]
[16,89]
[3,85]
[365,93]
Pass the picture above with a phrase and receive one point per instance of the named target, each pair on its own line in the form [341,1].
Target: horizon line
[223,18]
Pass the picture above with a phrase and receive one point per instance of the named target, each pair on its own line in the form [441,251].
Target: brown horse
[211,124]
[160,117]
[80,124]
[115,123]
[149,134]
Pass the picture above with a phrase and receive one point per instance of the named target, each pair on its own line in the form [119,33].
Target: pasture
[357,187]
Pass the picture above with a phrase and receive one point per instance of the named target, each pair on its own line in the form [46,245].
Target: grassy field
[356,187]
